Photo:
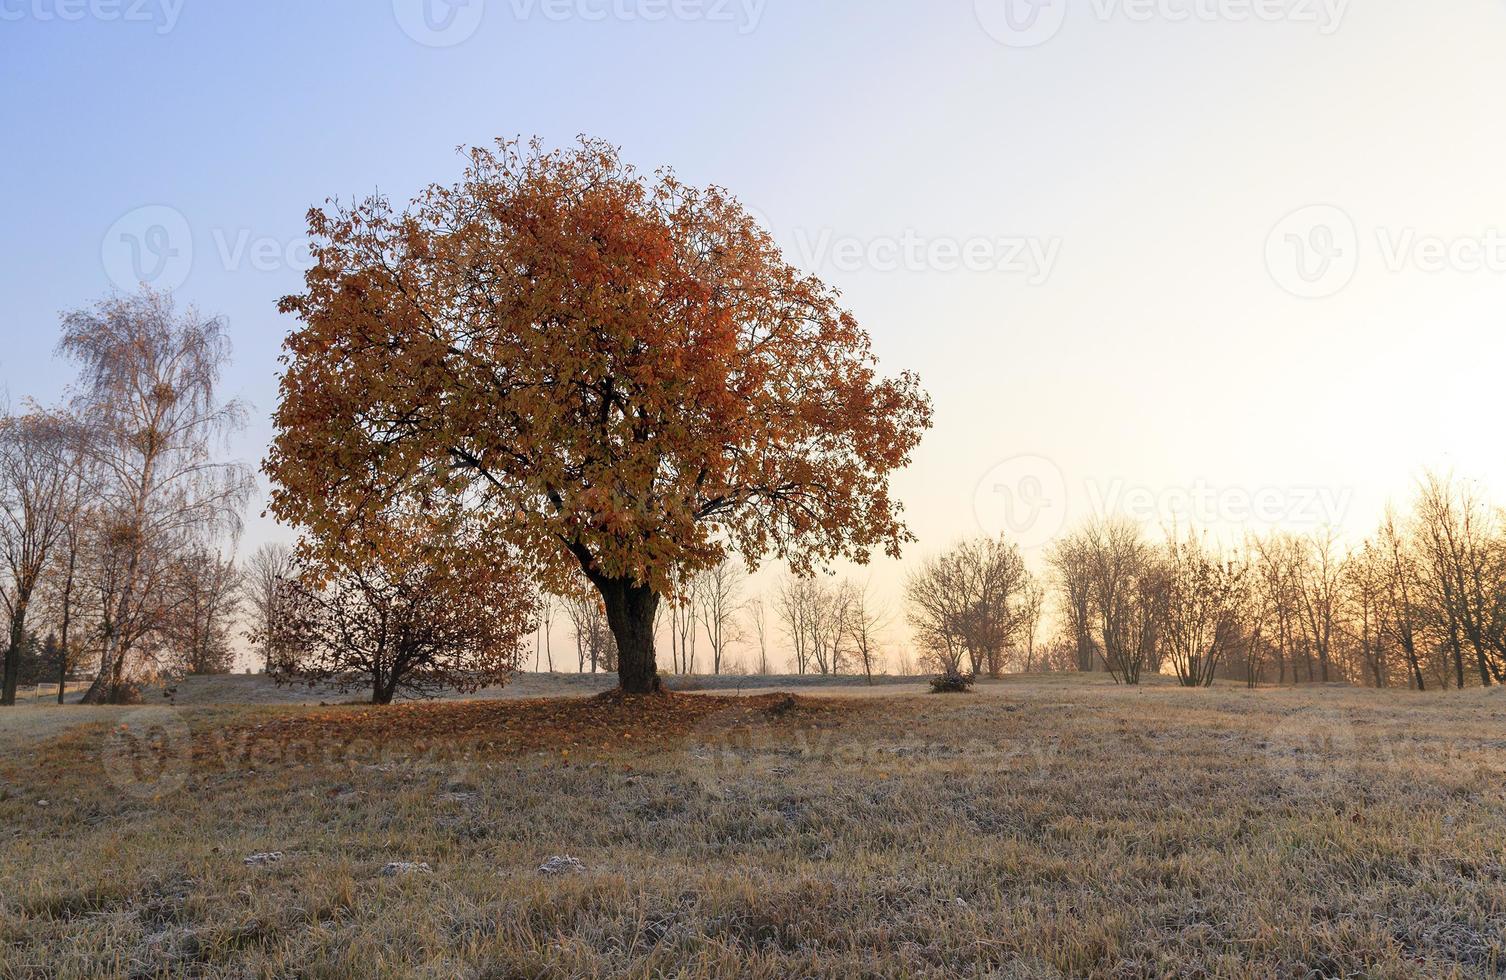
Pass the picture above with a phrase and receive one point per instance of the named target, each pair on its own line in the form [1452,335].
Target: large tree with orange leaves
[618,373]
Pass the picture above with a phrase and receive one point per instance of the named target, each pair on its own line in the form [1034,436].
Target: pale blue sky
[1139,161]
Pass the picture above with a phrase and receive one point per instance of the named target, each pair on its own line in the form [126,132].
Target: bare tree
[1127,591]
[758,622]
[829,614]
[684,614]
[1256,615]
[1366,614]
[266,572]
[594,644]
[721,588]
[935,606]
[1205,595]
[815,616]
[1058,655]
[544,638]
[1401,581]
[1032,608]
[866,622]
[207,598]
[1113,589]
[35,508]
[1466,564]
[63,599]
[993,578]
[797,599]
[1071,561]
[1320,584]
[63,586]
[147,391]
[1276,560]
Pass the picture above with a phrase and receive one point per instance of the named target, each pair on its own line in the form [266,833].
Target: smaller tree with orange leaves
[422,611]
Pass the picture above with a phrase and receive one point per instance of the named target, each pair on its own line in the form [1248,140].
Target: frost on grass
[1038,828]
[557,865]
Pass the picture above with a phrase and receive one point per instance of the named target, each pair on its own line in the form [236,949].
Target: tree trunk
[1409,651]
[1484,664]
[13,651]
[106,688]
[94,693]
[630,613]
[109,686]
[67,621]
[63,668]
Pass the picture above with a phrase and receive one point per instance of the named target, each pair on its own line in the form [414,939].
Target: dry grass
[1033,829]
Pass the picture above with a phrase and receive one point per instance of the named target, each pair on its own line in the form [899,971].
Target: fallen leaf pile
[610,721]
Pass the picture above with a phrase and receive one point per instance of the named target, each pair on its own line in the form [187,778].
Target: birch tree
[148,392]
